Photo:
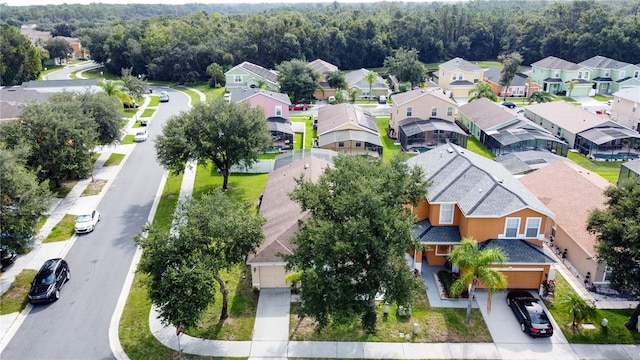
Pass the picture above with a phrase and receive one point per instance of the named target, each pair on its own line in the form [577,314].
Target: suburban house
[322,68]
[629,170]
[554,74]
[40,38]
[268,268]
[571,200]
[593,135]
[611,75]
[355,80]
[348,128]
[503,130]
[423,119]
[624,107]
[248,75]
[276,109]
[458,76]
[474,197]
[517,88]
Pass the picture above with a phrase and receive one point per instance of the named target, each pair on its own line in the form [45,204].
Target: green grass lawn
[154,100]
[148,112]
[474,145]
[114,159]
[310,132]
[389,148]
[247,187]
[601,98]
[434,325]
[15,298]
[64,189]
[127,139]
[609,170]
[62,230]
[211,93]
[129,113]
[298,141]
[615,333]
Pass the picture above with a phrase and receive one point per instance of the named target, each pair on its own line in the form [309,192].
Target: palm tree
[570,85]
[540,97]
[370,78]
[475,268]
[482,90]
[353,93]
[114,88]
[261,83]
[580,309]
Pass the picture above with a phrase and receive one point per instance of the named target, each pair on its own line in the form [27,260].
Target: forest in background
[178,42]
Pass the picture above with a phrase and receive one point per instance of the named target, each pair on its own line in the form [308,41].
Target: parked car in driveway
[299,107]
[509,104]
[141,135]
[529,313]
[46,286]
[87,221]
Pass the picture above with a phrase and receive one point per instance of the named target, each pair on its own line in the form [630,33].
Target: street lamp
[45,73]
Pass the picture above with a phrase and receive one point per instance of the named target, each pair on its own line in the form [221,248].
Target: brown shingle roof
[571,192]
[280,212]
[402,98]
[321,66]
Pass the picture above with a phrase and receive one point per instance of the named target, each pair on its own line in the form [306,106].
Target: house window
[533,227]
[237,78]
[636,74]
[607,73]
[446,213]
[443,250]
[460,76]
[278,110]
[511,227]
[559,132]
[449,111]
[409,111]
[358,144]
[434,111]
[579,74]
[453,77]
[341,144]
[556,74]
[586,75]
[622,73]
[635,107]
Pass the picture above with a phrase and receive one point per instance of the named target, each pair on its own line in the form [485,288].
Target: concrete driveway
[511,342]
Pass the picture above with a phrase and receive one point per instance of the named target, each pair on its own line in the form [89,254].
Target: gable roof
[567,116]
[519,251]
[280,212]
[630,93]
[356,78]
[332,117]
[460,63]
[571,199]
[320,66]
[239,95]
[479,186]
[488,115]
[601,62]
[258,70]
[493,75]
[552,62]
[400,99]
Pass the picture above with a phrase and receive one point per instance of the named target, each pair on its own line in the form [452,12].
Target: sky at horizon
[181,2]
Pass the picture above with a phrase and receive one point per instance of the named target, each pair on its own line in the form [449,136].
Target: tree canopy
[510,66]
[224,133]
[58,48]
[19,59]
[617,230]
[482,90]
[406,66]
[297,79]
[214,233]
[353,244]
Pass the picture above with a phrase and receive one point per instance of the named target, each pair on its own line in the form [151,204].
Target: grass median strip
[63,230]
[15,299]
[114,159]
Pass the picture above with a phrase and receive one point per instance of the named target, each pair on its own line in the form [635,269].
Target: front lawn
[615,333]
[609,170]
[247,187]
[15,299]
[114,159]
[62,230]
[474,145]
[389,147]
[435,325]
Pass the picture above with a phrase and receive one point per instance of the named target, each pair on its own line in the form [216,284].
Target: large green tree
[475,268]
[214,233]
[617,230]
[297,79]
[60,137]
[352,246]
[225,133]
[482,90]
[19,59]
[336,80]
[23,198]
[405,66]
[136,85]
[510,67]
[540,97]
[59,48]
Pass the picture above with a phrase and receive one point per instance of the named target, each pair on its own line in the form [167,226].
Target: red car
[299,107]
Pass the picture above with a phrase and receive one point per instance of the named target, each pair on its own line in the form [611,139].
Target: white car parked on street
[141,135]
[87,221]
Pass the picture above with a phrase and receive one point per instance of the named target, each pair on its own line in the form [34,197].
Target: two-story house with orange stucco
[471,196]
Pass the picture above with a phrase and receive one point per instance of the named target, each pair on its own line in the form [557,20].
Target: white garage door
[272,277]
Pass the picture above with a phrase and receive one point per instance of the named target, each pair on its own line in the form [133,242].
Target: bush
[447,279]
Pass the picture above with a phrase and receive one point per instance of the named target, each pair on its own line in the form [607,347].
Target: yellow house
[474,197]
[458,76]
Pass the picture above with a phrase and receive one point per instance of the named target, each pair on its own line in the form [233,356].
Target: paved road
[63,74]
[76,326]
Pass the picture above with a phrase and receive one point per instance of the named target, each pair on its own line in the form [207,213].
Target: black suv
[46,286]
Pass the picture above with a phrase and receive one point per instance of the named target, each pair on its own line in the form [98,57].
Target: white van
[382,99]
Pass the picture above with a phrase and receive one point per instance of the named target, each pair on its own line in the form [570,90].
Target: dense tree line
[179,46]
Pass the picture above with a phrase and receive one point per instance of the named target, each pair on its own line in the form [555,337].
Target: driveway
[511,341]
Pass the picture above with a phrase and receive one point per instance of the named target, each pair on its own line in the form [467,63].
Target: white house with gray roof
[248,75]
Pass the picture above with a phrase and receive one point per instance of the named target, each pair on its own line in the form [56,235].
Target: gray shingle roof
[348,135]
[601,62]
[269,75]
[320,66]
[405,97]
[493,74]
[428,234]
[239,95]
[460,63]
[332,117]
[356,79]
[552,62]
[479,186]
[519,251]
